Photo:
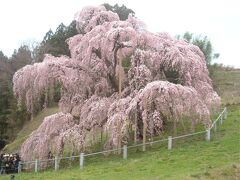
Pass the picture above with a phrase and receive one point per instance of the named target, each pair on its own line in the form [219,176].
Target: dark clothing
[9,163]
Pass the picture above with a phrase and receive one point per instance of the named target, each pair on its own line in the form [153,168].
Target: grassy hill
[227,85]
[28,128]
[189,159]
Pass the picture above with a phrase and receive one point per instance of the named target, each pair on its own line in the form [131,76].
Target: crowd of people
[9,163]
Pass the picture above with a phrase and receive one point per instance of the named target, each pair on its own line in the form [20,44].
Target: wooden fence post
[169,142]
[81,160]
[135,128]
[225,113]
[208,134]
[56,163]
[144,135]
[36,165]
[125,152]
[215,126]
[101,135]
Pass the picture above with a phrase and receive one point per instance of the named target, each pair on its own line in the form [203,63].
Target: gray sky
[29,20]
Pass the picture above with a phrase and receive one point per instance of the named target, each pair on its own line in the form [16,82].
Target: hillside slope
[28,128]
[218,159]
[227,85]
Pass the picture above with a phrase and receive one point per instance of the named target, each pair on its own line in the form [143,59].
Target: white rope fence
[56,160]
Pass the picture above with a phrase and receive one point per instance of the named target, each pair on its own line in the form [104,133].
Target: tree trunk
[135,129]
[46,100]
[144,135]
[193,126]
[120,78]
[182,123]
[174,127]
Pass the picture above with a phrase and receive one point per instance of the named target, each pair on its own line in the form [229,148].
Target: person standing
[1,158]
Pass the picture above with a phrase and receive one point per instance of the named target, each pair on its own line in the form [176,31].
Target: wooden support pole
[169,142]
[215,126]
[119,96]
[120,79]
[81,160]
[101,135]
[144,135]
[56,163]
[36,165]
[225,113]
[119,145]
[208,134]
[135,128]
[125,152]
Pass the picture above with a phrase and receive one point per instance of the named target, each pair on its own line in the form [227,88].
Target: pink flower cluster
[165,79]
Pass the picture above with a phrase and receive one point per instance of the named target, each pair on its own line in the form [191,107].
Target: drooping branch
[117,45]
[162,78]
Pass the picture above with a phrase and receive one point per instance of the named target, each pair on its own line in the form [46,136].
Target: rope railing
[224,112]
[56,160]
[152,142]
[102,152]
[186,135]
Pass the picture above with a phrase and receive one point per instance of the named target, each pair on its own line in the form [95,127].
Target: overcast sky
[28,20]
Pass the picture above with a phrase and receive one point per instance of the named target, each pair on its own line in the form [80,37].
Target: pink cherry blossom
[165,79]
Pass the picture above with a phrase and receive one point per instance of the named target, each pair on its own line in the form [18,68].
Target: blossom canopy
[159,78]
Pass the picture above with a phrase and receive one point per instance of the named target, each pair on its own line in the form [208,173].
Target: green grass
[227,85]
[189,159]
[28,128]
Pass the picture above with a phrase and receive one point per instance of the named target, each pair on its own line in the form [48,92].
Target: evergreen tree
[55,42]
[204,43]
[122,11]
